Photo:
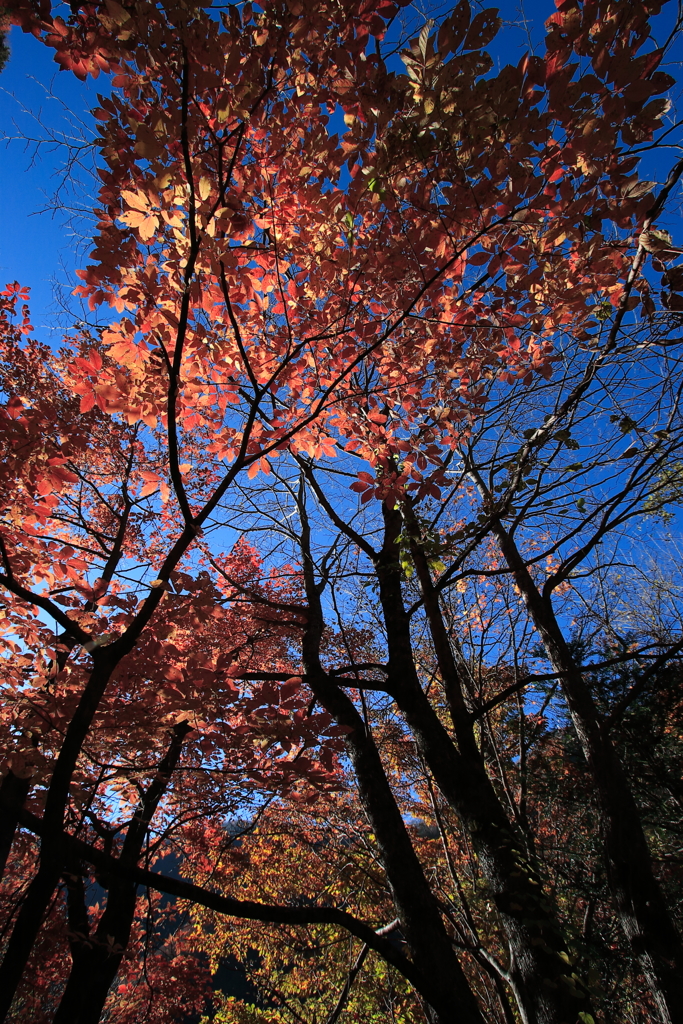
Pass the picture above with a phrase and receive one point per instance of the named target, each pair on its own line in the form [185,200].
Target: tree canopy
[339,632]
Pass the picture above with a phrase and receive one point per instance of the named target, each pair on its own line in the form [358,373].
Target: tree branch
[514,688]
[269,913]
[618,711]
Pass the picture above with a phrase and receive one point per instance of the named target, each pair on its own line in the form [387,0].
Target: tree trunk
[28,923]
[30,917]
[638,899]
[13,793]
[423,929]
[445,985]
[547,990]
[96,958]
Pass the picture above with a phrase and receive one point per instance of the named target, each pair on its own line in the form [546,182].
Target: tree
[294,313]
[4,51]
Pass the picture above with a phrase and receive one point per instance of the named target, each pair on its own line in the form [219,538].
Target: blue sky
[37,248]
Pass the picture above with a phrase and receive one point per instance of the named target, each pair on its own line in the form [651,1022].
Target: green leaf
[626,424]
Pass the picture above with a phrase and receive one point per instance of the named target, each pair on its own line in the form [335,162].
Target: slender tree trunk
[638,899]
[96,958]
[30,917]
[423,929]
[14,790]
[13,793]
[89,958]
[448,991]
[547,990]
[28,922]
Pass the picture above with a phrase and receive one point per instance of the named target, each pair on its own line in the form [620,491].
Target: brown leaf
[483,29]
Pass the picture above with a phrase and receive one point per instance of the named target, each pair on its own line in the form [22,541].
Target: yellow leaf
[148,228]
[173,218]
[204,188]
[223,109]
[133,218]
[146,223]
[136,200]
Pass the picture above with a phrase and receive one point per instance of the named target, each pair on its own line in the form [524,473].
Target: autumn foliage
[307,674]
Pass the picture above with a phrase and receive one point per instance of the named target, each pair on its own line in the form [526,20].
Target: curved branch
[269,913]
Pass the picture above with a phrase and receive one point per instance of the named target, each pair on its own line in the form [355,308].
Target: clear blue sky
[37,248]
